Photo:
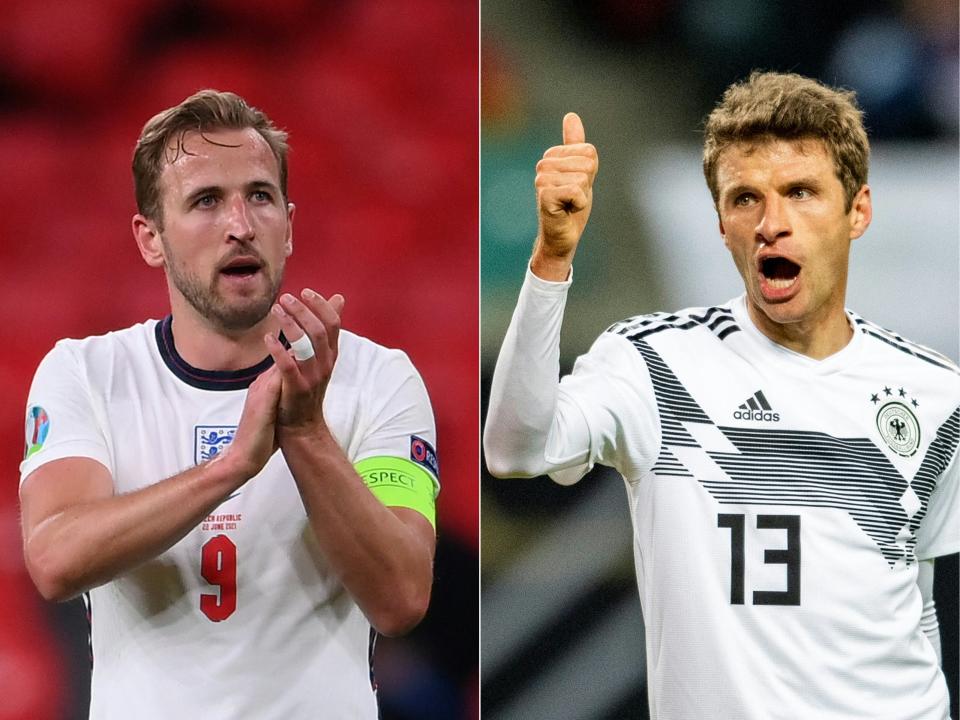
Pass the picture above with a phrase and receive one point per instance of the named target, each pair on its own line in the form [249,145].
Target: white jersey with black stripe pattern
[780,504]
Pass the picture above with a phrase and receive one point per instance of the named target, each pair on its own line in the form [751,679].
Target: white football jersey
[241,618]
[779,505]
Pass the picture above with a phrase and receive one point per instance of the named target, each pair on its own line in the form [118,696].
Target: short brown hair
[787,106]
[202,112]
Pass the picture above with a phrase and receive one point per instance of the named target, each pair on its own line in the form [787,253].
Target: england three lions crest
[211,440]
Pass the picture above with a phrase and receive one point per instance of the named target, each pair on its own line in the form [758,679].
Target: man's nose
[239,226]
[775,222]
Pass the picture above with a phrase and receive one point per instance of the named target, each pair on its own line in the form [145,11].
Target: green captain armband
[398,482]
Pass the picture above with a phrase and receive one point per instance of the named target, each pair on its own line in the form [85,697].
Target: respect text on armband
[389,477]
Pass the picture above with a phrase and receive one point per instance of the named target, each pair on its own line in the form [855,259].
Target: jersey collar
[838,361]
[205,379]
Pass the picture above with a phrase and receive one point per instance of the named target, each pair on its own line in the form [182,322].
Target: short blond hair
[787,106]
[202,112]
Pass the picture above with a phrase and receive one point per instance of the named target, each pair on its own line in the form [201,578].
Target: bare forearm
[90,543]
[383,562]
[383,557]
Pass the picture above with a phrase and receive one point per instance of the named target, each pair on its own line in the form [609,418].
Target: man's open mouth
[779,272]
[242,267]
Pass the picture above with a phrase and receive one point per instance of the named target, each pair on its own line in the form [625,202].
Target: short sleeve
[610,385]
[939,532]
[398,418]
[61,420]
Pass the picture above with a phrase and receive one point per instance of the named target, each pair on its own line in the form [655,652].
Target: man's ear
[861,212]
[291,209]
[147,235]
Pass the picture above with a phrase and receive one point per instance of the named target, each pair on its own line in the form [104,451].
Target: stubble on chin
[242,314]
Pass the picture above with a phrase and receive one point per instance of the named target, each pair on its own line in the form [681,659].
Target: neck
[817,338]
[207,347]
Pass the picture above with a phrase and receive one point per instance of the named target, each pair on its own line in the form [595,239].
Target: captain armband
[398,482]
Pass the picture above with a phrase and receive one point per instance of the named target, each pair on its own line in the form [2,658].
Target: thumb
[573,129]
[273,379]
[337,302]
[267,382]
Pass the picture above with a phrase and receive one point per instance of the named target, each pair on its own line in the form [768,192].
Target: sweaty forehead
[217,157]
[772,157]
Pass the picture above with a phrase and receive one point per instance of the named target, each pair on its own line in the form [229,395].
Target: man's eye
[800,193]
[743,199]
[262,196]
[206,201]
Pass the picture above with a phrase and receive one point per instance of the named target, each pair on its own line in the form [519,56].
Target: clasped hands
[308,319]
[286,401]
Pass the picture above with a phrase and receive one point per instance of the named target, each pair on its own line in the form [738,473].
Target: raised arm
[529,430]
[78,534]
[382,555]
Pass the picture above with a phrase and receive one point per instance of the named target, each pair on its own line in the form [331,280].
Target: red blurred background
[380,100]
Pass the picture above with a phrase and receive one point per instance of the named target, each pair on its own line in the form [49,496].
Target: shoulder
[363,359]
[103,351]
[717,320]
[899,349]
[655,338]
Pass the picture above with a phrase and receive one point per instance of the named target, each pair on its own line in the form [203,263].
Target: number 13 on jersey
[789,556]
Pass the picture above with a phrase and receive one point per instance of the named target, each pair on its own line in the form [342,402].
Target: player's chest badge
[211,440]
[896,420]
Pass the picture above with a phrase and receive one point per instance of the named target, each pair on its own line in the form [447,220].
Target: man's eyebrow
[736,190]
[201,191]
[257,184]
[809,181]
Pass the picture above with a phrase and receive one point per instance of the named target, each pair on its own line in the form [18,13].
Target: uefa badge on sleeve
[211,440]
[423,454]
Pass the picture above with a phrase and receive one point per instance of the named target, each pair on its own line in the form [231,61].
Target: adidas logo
[756,407]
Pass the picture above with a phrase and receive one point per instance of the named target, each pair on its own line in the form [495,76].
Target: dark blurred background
[380,100]
[562,634]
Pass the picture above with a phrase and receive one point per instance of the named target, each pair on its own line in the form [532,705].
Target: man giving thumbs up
[792,470]
[564,197]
